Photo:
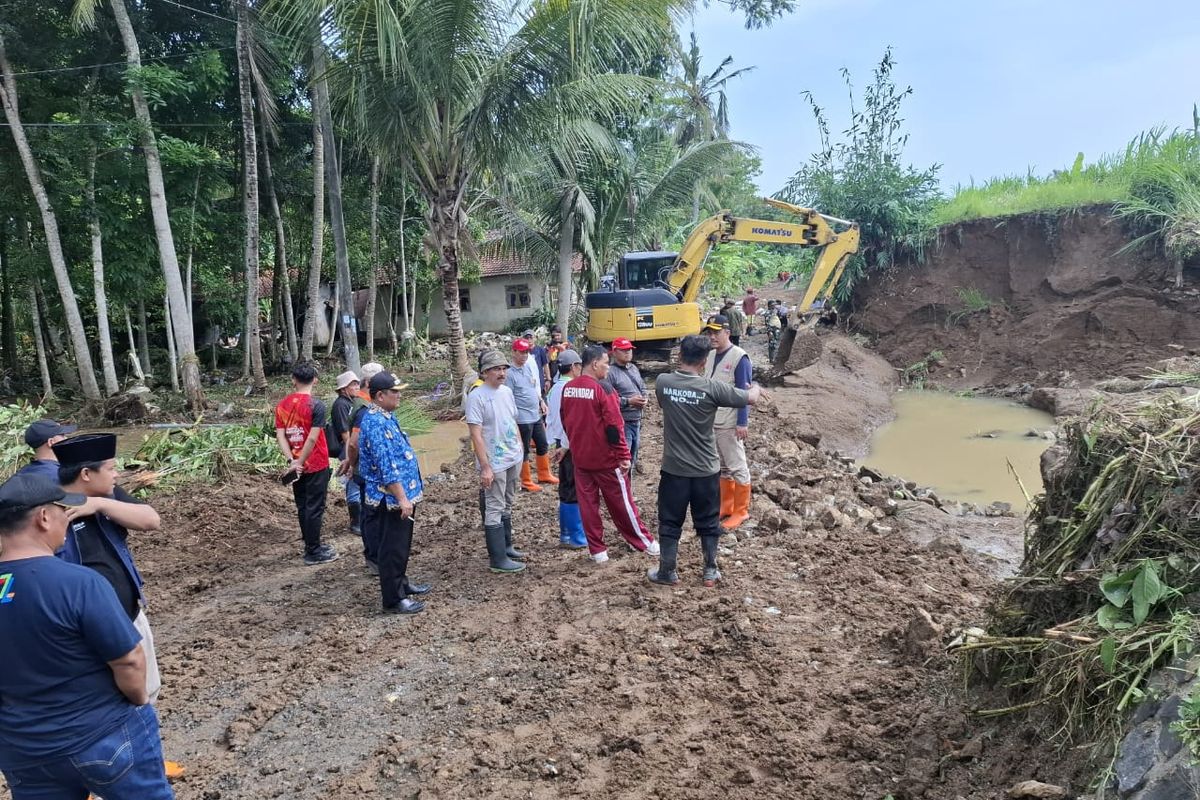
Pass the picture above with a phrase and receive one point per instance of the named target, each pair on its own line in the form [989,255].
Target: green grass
[1112,179]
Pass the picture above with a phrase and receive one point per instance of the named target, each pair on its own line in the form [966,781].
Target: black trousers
[677,493]
[535,431]
[309,491]
[395,536]
[566,480]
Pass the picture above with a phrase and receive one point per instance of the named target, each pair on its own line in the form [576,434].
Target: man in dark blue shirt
[76,712]
[42,435]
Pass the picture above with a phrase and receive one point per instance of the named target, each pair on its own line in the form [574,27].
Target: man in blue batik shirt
[389,468]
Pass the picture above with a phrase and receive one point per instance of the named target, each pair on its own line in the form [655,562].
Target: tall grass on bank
[1114,179]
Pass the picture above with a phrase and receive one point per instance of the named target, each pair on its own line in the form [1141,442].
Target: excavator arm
[814,230]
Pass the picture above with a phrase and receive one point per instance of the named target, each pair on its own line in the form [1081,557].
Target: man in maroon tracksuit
[591,415]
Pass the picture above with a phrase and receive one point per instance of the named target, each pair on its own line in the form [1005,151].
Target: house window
[517,295]
[464,300]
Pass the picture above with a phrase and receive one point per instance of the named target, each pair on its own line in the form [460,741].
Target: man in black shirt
[340,414]
[98,531]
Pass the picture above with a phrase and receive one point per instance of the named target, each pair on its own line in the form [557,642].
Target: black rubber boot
[355,510]
[498,560]
[711,573]
[665,573]
[510,551]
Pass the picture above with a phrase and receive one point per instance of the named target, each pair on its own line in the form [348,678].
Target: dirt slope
[1062,300]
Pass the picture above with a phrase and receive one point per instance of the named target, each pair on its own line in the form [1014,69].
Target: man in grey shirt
[691,467]
[627,380]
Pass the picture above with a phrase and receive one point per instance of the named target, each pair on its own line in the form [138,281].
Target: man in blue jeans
[77,718]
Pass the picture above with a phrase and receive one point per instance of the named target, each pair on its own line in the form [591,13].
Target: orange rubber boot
[741,506]
[544,473]
[727,485]
[527,482]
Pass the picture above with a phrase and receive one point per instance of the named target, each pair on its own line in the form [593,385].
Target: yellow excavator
[651,299]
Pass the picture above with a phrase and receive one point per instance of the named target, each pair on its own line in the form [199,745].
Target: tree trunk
[373,285]
[288,319]
[107,364]
[334,329]
[187,278]
[40,343]
[138,372]
[446,220]
[8,326]
[344,311]
[181,316]
[83,357]
[566,257]
[144,338]
[172,358]
[249,199]
[318,243]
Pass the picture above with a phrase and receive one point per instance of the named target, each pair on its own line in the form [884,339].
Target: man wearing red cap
[627,380]
[525,382]
[592,418]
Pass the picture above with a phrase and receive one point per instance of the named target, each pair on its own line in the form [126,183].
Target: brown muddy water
[962,446]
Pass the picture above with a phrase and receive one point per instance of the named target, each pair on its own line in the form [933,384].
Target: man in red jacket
[591,415]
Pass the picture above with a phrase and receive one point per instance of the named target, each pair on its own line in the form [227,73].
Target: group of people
[80,677]
[743,316]
[79,691]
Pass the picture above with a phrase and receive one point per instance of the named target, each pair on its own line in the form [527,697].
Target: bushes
[864,178]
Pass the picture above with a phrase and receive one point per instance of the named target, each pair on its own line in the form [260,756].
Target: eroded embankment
[1041,298]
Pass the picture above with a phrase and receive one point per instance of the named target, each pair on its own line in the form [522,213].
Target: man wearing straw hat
[340,414]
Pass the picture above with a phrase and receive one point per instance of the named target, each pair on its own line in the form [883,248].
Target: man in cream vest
[728,363]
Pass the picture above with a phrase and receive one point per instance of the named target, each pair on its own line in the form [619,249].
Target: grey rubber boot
[498,560]
[510,551]
[711,573]
[665,573]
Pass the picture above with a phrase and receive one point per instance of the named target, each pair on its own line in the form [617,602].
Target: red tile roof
[504,264]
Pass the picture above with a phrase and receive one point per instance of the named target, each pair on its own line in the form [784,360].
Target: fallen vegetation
[1105,595]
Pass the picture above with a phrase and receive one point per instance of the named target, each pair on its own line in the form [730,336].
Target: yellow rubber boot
[727,485]
[544,473]
[741,506]
[527,482]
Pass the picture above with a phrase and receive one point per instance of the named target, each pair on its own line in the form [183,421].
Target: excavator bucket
[797,349]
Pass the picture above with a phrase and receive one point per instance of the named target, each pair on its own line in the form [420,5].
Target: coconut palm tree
[699,108]
[84,16]
[10,101]
[452,89]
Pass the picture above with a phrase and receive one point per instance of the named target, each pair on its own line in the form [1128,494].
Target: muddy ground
[810,673]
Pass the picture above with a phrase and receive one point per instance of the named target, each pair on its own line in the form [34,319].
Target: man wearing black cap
[394,487]
[98,532]
[76,712]
[42,435]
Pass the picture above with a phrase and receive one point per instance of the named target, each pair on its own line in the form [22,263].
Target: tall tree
[249,197]
[107,364]
[83,357]
[373,285]
[84,15]
[312,307]
[455,90]
[344,310]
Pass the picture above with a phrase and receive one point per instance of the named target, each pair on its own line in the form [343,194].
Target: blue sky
[999,87]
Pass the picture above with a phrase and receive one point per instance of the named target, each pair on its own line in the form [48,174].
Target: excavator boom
[667,310]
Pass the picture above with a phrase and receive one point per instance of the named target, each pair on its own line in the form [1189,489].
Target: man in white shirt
[491,414]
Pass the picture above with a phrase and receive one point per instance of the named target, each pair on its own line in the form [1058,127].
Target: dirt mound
[1039,298]
[813,672]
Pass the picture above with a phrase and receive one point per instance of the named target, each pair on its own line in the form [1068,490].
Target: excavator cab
[637,299]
